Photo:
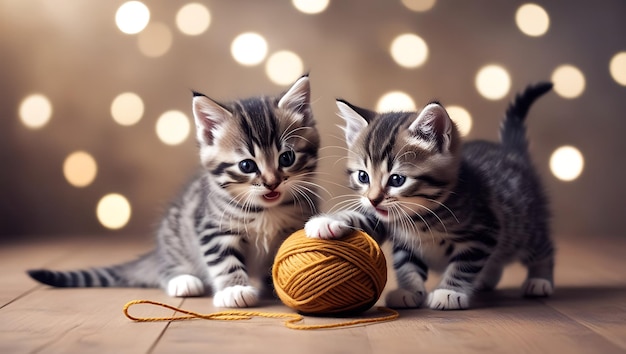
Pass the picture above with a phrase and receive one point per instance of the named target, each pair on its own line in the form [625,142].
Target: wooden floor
[587,314]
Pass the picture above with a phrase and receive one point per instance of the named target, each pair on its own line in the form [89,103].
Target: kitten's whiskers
[404,204]
[348,204]
[299,193]
[429,210]
[404,224]
[446,207]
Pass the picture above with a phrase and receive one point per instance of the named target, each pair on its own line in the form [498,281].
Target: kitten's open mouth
[382,212]
[271,195]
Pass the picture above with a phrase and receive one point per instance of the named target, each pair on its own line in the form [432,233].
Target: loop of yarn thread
[342,276]
[292,320]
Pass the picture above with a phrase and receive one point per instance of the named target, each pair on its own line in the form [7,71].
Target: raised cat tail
[141,272]
[513,129]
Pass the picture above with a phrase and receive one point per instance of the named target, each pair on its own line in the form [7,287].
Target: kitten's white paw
[537,287]
[236,296]
[402,298]
[185,285]
[445,299]
[325,227]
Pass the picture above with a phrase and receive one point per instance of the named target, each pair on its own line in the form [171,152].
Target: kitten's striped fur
[255,188]
[465,210]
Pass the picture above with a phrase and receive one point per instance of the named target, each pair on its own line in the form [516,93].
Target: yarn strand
[292,320]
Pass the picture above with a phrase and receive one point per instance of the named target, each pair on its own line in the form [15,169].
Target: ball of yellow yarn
[329,277]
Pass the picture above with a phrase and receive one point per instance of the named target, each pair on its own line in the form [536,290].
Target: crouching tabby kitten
[465,210]
[258,158]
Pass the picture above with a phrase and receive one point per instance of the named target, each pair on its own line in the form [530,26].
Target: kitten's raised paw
[537,287]
[445,299]
[236,296]
[185,285]
[402,298]
[325,227]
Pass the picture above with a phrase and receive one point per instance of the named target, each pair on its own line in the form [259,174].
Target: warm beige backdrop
[73,53]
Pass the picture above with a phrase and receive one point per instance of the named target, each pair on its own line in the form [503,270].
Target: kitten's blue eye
[363,177]
[286,159]
[396,180]
[247,166]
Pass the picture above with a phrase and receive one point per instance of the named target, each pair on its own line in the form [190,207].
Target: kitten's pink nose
[376,200]
[271,186]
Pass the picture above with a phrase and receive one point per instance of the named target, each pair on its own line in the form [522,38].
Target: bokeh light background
[96,132]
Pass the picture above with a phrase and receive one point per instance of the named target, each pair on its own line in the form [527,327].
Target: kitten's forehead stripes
[258,122]
[384,132]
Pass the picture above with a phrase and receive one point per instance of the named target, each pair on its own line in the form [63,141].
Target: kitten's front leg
[327,226]
[411,273]
[339,224]
[225,259]
[457,284]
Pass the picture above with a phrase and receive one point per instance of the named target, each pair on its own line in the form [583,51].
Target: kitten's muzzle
[271,195]
[271,186]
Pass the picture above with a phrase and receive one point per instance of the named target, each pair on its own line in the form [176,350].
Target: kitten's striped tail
[513,129]
[141,272]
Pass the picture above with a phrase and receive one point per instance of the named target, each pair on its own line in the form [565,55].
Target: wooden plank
[508,325]
[63,253]
[258,335]
[74,320]
[585,315]
[602,309]
[78,321]
[16,258]
[592,286]
[501,322]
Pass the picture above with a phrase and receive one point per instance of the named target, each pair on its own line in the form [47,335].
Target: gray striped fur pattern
[464,210]
[256,186]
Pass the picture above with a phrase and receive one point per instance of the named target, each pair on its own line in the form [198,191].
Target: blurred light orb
[462,118]
[35,111]
[395,101]
[283,67]
[617,68]
[193,19]
[409,50]
[310,7]
[132,17]
[80,169]
[569,81]
[493,82]
[172,127]
[113,211]
[249,48]
[127,108]
[532,20]
[566,163]
[419,5]
[155,40]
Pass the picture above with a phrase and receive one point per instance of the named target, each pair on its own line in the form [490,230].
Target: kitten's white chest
[270,225]
[268,229]
[265,234]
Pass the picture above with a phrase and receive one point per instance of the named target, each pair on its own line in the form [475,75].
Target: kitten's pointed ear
[355,121]
[209,116]
[298,97]
[433,123]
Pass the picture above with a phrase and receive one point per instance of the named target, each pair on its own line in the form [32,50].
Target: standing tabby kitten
[465,210]
[256,187]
